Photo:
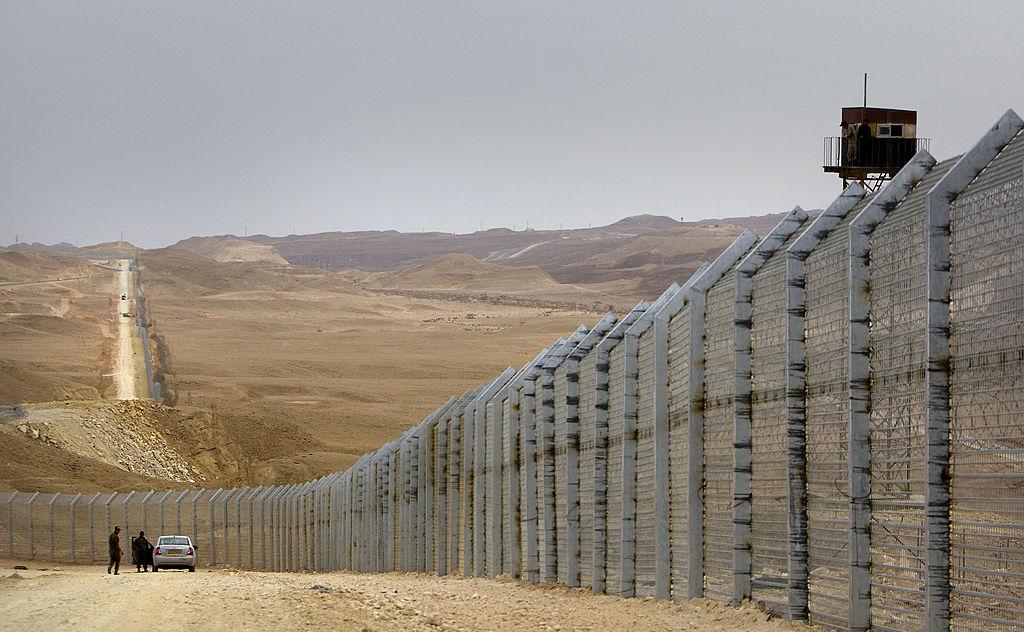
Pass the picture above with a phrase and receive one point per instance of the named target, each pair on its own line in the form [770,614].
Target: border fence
[827,421]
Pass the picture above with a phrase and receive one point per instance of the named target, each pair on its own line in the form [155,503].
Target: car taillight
[156,551]
[190,551]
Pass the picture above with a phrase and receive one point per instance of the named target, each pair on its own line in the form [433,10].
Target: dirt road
[125,368]
[86,598]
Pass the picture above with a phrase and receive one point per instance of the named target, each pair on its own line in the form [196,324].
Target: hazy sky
[170,119]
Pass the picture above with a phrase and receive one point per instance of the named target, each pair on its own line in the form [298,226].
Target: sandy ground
[307,372]
[86,598]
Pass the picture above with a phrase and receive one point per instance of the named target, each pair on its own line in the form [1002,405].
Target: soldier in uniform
[115,551]
[142,553]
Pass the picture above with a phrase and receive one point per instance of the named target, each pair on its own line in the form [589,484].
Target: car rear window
[171,540]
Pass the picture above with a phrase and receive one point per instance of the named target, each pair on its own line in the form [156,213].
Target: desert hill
[620,253]
[463,272]
[31,266]
[226,249]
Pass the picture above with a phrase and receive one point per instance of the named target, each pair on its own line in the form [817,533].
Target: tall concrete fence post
[859,377]
[569,490]
[743,440]
[160,503]
[528,472]
[637,533]
[31,530]
[49,515]
[796,404]
[475,500]
[177,512]
[695,502]
[92,529]
[549,526]
[126,528]
[213,525]
[107,504]
[71,523]
[512,491]
[937,413]
[597,468]
[260,493]
[247,491]
[494,493]
[660,319]
[10,522]
[145,501]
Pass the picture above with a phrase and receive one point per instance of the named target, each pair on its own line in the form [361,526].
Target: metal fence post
[238,525]
[110,500]
[31,535]
[71,515]
[145,519]
[859,401]
[743,411]
[177,512]
[264,523]
[49,515]
[213,526]
[92,531]
[796,404]
[227,534]
[124,510]
[662,525]
[547,545]
[10,523]
[195,516]
[479,439]
[160,504]
[258,492]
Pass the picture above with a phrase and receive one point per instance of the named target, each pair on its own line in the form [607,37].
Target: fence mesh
[986,383]
[768,419]
[898,305]
[613,515]
[827,350]
[588,444]
[560,470]
[679,449]
[719,424]
[646,484]
[509,460]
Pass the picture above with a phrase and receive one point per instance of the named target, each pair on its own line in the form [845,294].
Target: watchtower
[875,143]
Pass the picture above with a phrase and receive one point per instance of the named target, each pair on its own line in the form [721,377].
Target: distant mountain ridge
[640,254]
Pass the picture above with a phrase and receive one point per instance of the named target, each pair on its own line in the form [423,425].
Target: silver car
[174,551]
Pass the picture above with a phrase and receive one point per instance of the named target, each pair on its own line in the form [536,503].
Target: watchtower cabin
[873,145]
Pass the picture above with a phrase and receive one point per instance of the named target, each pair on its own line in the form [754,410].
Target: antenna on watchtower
[875,143]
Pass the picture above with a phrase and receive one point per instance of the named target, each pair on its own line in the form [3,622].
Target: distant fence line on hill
[827,421]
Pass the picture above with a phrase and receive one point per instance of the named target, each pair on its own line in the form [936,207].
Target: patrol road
[86,598]
[128,372]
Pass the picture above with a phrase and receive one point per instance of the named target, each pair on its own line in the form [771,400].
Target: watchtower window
[890,130]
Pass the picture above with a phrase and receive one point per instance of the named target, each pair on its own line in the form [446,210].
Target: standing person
[864,144]
[142,553]
[851,142]
[114,543]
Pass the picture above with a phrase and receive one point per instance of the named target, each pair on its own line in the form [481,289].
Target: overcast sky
[171,119]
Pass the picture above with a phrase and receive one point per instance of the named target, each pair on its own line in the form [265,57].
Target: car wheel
[191,569]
